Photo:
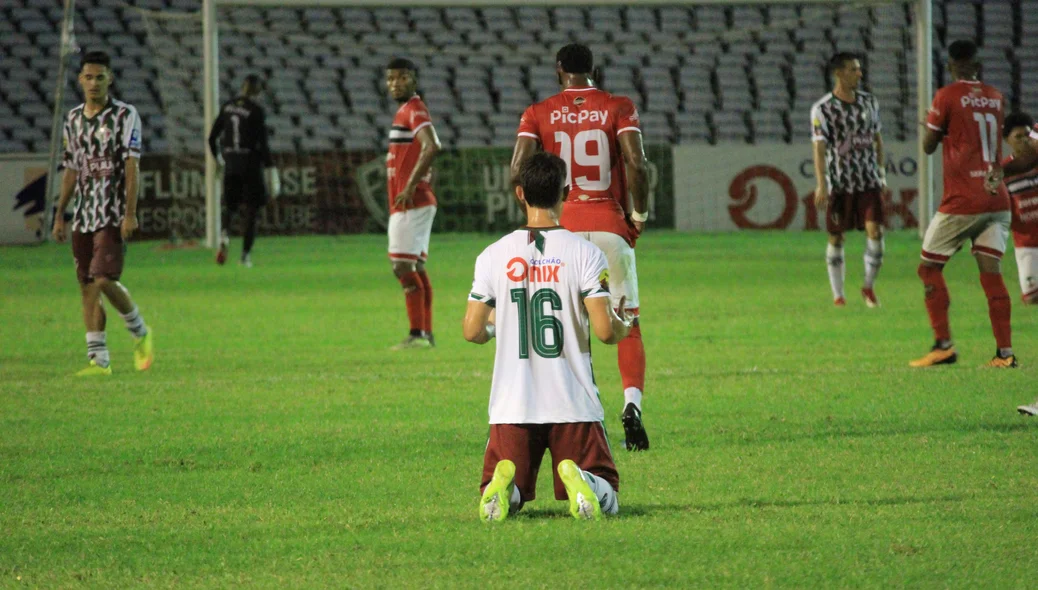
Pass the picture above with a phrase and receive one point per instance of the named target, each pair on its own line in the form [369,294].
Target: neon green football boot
[94,370]
[494,505]
[144,352]
[583,503]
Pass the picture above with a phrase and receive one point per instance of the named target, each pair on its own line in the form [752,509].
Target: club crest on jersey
[538,271]
[103,134]
[578,101]
[562,116]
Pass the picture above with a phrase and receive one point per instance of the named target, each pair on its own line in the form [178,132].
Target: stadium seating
[702,73]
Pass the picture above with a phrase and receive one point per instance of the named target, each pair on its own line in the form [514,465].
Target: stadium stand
[698,73]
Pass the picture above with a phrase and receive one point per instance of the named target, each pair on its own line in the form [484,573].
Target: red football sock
[999,307]
[937,300]
[427,289]
[414,296]
[631,356]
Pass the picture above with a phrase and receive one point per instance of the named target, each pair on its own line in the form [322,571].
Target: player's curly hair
[962,50]
[400,63]
[576,59]
[542,176]
[1014,120]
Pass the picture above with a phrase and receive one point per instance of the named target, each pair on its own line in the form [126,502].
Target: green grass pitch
[277,443]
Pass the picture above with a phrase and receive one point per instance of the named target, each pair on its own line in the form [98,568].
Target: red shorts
[850,211]
[524,444]
[98,254]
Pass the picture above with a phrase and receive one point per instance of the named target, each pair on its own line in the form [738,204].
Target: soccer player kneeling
[549,281]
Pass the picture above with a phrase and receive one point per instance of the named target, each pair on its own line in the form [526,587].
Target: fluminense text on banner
[771,186]
[345,193]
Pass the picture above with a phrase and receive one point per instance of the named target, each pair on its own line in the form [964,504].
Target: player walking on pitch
[102,140]
[848,159]
[239,143]
[413,145]
[967,116]
[544,282]
[597,135]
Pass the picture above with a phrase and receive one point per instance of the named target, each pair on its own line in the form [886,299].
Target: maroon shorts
[98,254]
[850,211]
[524,444]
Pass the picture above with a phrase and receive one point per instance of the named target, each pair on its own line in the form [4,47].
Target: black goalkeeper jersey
[240,136]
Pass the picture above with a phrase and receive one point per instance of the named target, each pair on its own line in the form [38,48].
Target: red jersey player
[1023,192]
[967,115]
[412,205]
[597,135]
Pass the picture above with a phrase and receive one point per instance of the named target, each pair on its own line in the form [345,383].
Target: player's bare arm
[430,147]
[68,186]
[1021,163]
[637,176]
[524,148]
[476,326]
[130,220]
[881,167]
[821,186]
[931,137]
[609,326]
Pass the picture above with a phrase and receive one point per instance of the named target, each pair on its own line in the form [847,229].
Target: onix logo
[517,270]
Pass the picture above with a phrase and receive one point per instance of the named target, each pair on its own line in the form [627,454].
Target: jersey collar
[579,88]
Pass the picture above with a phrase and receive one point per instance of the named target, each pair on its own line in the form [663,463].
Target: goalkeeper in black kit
[239,143]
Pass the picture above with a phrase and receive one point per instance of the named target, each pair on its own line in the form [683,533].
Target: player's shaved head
[575,59]
[97,58]
[542,177]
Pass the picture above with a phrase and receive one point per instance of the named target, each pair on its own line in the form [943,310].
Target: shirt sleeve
[419,117]
[627,117]
[1034,133]
[594,280]
[937,116]
[819,126]
[68,158]
[132,135]
[483,283]
[528,124]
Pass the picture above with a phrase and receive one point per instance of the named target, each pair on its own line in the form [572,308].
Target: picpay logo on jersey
[562,116]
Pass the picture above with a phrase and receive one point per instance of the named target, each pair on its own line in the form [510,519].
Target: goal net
[714,83]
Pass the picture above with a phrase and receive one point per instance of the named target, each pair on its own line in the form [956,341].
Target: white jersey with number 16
[537,280]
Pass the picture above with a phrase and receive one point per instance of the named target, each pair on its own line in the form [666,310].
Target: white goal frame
[211,97]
